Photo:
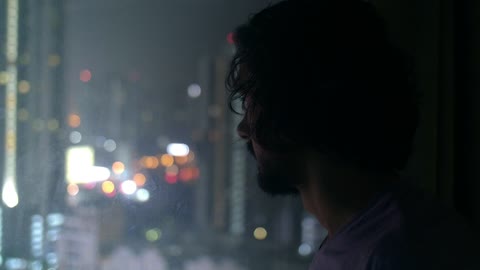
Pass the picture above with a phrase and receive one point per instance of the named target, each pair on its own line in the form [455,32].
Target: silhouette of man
[330,114]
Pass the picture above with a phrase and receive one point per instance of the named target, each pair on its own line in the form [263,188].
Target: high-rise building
[31,86]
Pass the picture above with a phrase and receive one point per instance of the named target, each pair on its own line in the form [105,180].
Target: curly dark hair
[323,74]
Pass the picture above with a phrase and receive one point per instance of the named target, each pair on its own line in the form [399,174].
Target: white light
[129,187]
[110,145]
[91,175]
[194,90]
[55,219]
[75,137]
[143,195]
[79,160]
[304,249]
[9,193]
[178,149]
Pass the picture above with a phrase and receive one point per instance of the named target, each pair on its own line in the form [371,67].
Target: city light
[85,75]
[171,178]
[178,149]
[150,162]
[194,90]
[304,249]
[230,38]
[72,189]
[108,187]
[153,235]
[118,167]
[129,187]
[166,160]
[74,120]
[9,193]
[186,174]
[110,145]
[142,195]
[181,160]
[139,179]
[77,160]
[23,87]
[260,233]
[89,175]
[53,124]
[53,60]
[75,137]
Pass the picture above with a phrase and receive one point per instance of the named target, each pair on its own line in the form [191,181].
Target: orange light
[166,160]
[85,75]
[180,160]
[108,187]
[72,189]
[139,179]
[74,120]
[118,167]
[150,162]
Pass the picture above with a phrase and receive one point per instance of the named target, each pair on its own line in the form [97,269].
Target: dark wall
[441,37]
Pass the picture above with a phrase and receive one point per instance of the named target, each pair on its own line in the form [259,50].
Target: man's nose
[243,130]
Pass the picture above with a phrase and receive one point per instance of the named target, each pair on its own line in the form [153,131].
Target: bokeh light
[53,60]
[153,235]
[53,124]
[178,149]
[75,137]
[108,187]
[194,90]
[128,187]
[305,249]
[139,179]
[23,87]
[166,160]
[171,178]
[85,75]
[260,233]
[110,145]
[118,167]
[142,195]
[72,189]
[150,162]
[74,120]
[181,160]
[186,174]
[230,38]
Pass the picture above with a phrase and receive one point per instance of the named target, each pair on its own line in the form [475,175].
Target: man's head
[322,76]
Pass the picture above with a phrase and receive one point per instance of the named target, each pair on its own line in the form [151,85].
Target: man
[330,114]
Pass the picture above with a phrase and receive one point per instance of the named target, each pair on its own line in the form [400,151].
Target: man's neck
[339,207]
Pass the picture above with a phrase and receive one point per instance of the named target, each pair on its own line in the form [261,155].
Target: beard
[279,175]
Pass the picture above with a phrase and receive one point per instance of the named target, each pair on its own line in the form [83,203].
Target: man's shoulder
[430,236]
